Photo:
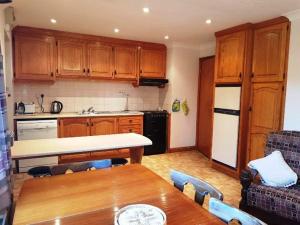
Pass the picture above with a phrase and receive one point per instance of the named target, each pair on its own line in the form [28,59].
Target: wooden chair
[228,213]
[202,188]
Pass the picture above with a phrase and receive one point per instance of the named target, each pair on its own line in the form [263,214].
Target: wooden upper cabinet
[71,56]
[230,55]
[34,57]
[100,60]
[125,62]
[152,63]
[74,127]
[269,52]
[104,125]
[265,115]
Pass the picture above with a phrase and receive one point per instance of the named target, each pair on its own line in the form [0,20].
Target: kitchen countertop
[59,146]
[74,114]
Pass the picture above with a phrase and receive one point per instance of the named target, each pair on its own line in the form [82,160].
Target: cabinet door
[153,63]
[71,58]
[230,53]
[74,127]
[34,57]
[265,115]
[269,53]
[100,60]
[125,62]
[104,125]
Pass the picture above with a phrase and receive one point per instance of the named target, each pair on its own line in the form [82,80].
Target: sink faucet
[125,95]
[91,109]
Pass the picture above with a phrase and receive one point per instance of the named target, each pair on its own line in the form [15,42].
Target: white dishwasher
[37,129]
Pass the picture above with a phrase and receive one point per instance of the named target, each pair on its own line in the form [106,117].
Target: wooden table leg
[136,155]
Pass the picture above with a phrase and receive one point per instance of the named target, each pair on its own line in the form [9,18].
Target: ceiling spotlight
[208,21]
[53,20]
[166,37]
[116,30]
[146,10]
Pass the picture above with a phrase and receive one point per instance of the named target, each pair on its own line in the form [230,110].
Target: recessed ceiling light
[208,21]
[166,37]
[146,10]
[116,30]
[53,20]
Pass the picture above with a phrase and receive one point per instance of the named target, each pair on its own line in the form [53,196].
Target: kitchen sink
[104,112]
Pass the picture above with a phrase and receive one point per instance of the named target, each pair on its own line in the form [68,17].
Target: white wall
[292,107]
[183,72]
[6,49]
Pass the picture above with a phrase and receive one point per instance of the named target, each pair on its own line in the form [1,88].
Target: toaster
[29,108]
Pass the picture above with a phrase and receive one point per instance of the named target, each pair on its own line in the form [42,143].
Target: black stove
[155,128]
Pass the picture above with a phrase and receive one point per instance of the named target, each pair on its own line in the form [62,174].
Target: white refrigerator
[226,125]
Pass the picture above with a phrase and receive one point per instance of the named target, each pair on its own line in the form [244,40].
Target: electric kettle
[56,107]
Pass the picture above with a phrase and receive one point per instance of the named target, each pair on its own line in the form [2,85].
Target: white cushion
[274,171]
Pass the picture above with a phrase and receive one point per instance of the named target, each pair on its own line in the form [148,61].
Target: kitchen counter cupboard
[47,55]
[90,126]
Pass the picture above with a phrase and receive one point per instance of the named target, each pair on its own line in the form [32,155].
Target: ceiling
[182,20]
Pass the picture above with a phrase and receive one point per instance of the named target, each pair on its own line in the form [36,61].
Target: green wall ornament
[176,106]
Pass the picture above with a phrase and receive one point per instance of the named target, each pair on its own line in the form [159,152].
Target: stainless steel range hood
[153,82]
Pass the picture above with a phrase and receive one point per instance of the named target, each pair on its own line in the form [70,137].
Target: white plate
[140,214]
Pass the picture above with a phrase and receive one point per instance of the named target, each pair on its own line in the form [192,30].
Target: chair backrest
[78,167]
[288,143]
[228,213]
[202,188]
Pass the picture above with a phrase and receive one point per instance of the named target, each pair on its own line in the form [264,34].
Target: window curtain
[5,142]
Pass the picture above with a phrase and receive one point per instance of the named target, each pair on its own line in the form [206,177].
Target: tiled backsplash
[79,95]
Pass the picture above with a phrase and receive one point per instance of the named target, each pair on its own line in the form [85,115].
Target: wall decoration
[176,106]
[185,107]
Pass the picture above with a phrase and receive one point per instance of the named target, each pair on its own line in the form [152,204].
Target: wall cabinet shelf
[34,57]
[42,54]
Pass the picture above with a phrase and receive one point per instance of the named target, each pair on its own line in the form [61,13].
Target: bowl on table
[140,214]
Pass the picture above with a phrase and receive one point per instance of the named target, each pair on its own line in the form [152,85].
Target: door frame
[198,102]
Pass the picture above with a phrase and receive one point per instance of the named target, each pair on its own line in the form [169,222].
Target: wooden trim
[225,169]
[245,104]
[231,30]
[182,149]
[285,77]
[271,22]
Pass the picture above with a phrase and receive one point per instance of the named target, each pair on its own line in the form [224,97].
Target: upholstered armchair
[271,204]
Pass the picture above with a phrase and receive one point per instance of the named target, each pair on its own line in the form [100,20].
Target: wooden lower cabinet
[265,115]
[76,127]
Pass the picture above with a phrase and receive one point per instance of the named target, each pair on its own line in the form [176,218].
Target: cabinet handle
[52,74]
[130,121]
[252,75]
[141,71]
[250,109]
[92,124]
[130,130]
[88,70]
[240,75]
[87,124]
[115,72]
[84,70]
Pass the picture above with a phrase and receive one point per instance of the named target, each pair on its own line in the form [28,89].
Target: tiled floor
[191,162]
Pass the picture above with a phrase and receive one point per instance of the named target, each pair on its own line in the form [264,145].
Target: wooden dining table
[94,197]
